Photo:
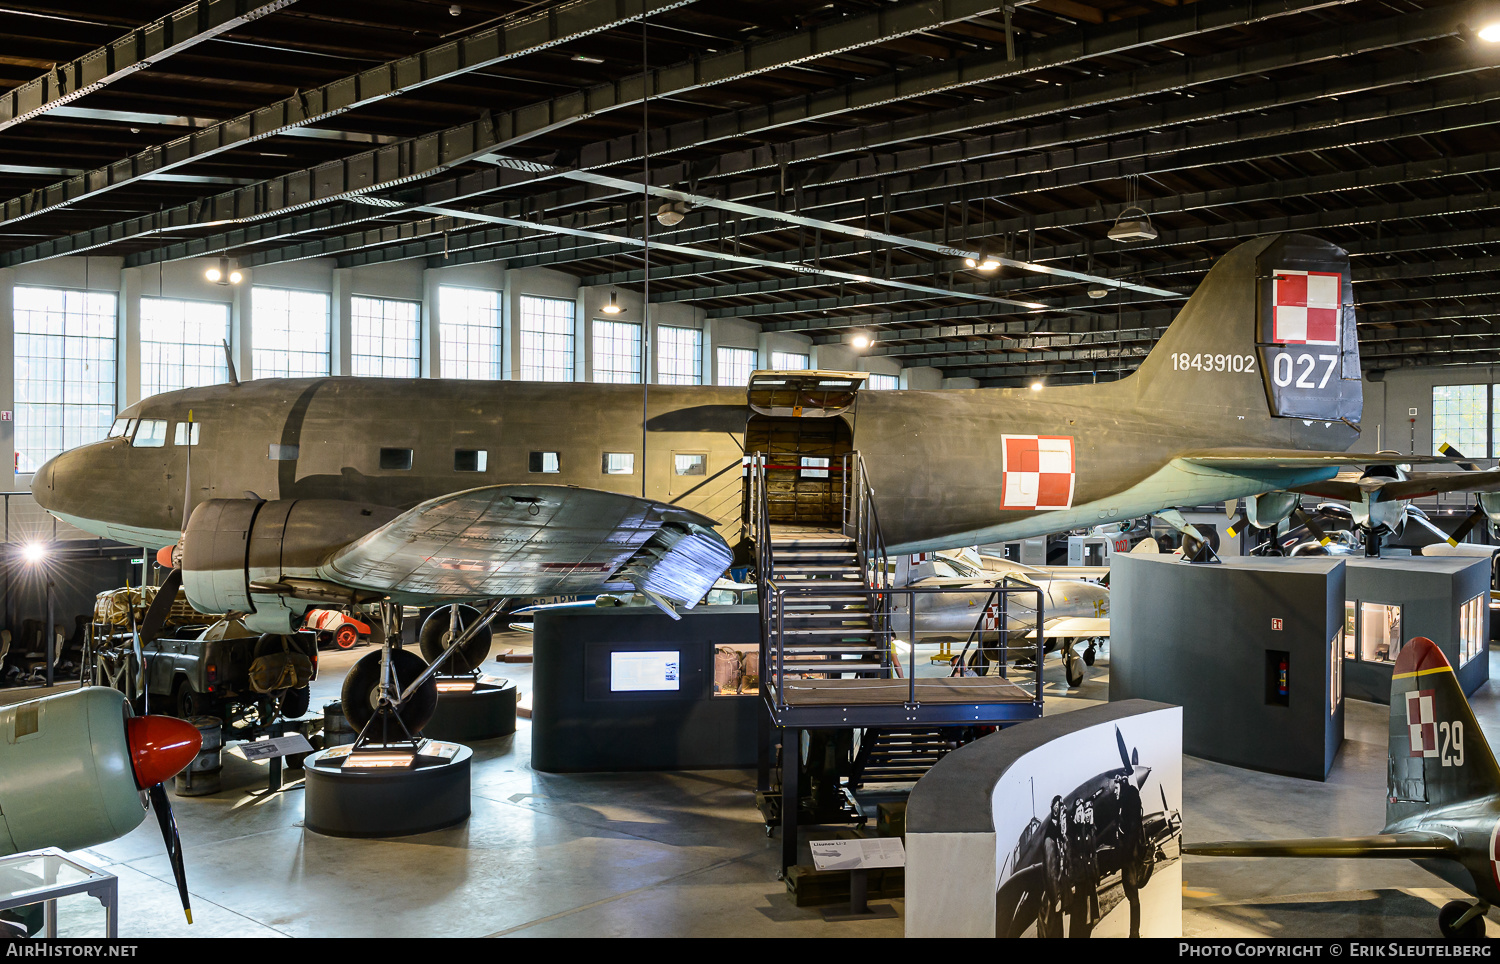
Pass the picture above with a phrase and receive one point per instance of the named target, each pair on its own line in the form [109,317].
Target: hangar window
[469,332]
[398,460]
[290,333]
[619,463]
[1460,417]
[679,355]
[64,371]
[617,352]
[282,453]
[884,383]
[182,344]
[383,337]
[735,365]
[470,460]
[152,434]
[187,433]
[546,339]
[788,361]
[544,462]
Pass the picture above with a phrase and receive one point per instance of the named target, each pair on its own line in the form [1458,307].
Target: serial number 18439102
[1183,361]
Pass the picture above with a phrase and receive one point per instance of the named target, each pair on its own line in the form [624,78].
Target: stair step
[832,631]
[823,602]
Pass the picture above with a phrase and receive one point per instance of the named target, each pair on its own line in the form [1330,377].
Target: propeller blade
[1124,753]
[161,607]
[1313,529]
[168,823]
[1239,524]
[1454,453]
[1473,519]
[1163,789]
[1427,523]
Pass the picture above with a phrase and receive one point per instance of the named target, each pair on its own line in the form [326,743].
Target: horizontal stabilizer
[1230,459]
[1413,845]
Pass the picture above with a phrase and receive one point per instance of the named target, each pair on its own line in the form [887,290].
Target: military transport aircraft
[280,495]
[1442,794]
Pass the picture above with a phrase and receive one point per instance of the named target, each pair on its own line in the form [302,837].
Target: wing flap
[535,540]
[1415,845]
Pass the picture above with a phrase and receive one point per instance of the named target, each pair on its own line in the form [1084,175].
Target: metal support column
[791,795]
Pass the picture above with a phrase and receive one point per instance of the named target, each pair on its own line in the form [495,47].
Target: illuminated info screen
[635,672]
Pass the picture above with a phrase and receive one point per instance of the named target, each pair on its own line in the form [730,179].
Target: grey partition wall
[1250,649]
[1415,596]
[629,688]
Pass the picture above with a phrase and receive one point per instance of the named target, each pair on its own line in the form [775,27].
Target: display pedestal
[482,713]
[381,802]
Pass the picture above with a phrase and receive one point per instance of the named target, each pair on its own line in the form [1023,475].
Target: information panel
[644,671]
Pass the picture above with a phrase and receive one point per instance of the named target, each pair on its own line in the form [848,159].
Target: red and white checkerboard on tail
[1037,472]
[1421,723]
[1308,305]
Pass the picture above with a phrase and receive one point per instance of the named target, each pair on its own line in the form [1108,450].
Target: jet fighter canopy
[804,394]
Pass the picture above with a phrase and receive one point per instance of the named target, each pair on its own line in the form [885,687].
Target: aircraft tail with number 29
[1442,794]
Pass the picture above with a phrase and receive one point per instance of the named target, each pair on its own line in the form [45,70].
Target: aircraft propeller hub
[160,747]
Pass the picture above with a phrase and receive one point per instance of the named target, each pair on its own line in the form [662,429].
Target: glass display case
[1471,629]
[737,669]
[1351,628]
[1379,632]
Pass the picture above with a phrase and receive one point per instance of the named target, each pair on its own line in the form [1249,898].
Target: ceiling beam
[484,48]
[179,30]
[421,157]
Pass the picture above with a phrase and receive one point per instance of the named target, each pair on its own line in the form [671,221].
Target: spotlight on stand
[613,308]
[1132,229]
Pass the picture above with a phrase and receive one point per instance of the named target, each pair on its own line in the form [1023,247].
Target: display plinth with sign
[630,688]
[1252,650]
[858,856]
[366,793]
[1394,599]
[472,708]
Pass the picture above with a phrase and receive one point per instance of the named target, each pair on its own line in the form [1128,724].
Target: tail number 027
[1302,370]
[1185,362]
[1451,741]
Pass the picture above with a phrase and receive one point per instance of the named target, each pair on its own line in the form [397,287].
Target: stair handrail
[864,526]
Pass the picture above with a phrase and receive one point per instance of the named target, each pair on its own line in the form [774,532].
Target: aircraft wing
[1078,626]
[1414,844]
[535,540]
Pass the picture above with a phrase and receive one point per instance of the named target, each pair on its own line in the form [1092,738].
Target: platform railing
[898,613]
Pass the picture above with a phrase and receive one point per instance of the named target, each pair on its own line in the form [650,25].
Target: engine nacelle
[1271,509]
[261,558]
[1490,502]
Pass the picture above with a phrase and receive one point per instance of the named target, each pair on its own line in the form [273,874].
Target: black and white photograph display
[1099,854]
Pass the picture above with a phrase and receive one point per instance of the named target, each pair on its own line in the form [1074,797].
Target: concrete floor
[685,854]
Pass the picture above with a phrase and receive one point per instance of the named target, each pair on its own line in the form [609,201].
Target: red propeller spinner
[160,747]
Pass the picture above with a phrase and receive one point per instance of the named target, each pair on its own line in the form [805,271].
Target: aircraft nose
[42,482]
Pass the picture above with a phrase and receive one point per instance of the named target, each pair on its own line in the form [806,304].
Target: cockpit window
[121,428]
[152,434]
[187,433]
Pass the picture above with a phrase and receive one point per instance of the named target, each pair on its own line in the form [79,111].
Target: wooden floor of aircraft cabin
[685,854]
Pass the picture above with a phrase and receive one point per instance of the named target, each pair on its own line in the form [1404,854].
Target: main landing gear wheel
[294,703]
[436,636]
[1089,654]
[1448,921]
[361,692]
[1074,668]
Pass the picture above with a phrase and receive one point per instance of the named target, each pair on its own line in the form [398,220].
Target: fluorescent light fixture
[586,59]
[462,684]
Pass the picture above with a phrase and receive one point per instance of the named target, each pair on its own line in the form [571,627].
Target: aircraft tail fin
[1438,753]
[1268,334]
